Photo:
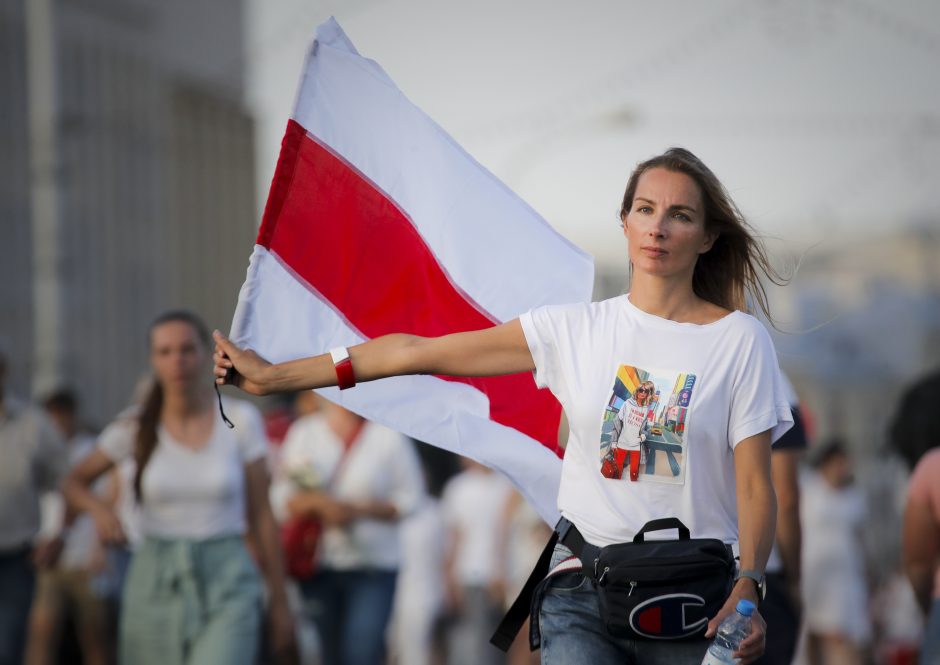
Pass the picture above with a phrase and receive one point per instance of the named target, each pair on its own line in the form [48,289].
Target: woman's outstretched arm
[490,352]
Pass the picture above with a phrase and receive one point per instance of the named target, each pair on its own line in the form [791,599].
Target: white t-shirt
[194,493]
[473,503]
[714,386]
[381,466]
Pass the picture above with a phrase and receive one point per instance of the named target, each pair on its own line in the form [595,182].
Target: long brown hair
[727,275]
[149,417]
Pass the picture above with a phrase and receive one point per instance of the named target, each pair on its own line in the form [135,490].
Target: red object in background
[897,654]
[276,423]
[300,539]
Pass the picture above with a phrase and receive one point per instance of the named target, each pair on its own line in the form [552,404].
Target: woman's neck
[672,299]
[665,298]
[185,404]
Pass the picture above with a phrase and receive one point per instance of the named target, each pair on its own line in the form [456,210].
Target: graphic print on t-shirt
[644,422]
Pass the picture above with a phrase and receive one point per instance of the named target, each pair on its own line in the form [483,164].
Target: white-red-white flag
[378,222]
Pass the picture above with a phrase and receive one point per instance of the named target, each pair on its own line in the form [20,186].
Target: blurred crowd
[308,534]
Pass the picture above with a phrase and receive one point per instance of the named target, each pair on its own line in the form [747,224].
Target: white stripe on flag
[458,207]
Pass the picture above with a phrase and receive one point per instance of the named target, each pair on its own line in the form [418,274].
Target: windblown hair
[148,419]
[728,274]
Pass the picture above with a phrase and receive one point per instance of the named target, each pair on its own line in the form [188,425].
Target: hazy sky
[821,117]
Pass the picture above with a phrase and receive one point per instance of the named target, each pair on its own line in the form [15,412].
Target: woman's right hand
[108,526]
[242,368]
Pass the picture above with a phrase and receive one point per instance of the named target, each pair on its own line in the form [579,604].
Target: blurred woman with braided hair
[193,593]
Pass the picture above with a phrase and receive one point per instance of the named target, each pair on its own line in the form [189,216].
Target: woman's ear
[709,242]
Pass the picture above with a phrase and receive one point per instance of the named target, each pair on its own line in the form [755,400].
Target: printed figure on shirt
[642,431]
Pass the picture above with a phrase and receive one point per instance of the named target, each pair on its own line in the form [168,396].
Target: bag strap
[568,535]
[347,448]
[662,525]
[518,612]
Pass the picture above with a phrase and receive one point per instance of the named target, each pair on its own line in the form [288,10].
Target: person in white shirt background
[693,260]
[193,594]
[835,579]
[473,504]
[361,479]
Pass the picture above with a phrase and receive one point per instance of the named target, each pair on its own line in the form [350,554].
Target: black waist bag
[662,589]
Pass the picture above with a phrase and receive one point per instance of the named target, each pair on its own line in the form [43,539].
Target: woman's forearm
[784,465]
[757,515]
[493,351]
[757,502]
[79,497]
[267,539]
[920,546]
[379,358]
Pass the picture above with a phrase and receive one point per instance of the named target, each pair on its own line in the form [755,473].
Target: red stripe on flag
[340,233]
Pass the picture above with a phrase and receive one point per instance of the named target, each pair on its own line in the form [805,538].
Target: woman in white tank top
[193,593]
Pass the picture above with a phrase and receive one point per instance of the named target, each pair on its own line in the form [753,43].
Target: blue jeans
[573,634]
[17,584]
[930,650]
[351,610]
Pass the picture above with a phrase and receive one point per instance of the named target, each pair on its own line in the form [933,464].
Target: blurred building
[127,183]
[861,320]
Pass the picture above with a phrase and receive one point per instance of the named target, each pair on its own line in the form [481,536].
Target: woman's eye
[644,209]
[683,217]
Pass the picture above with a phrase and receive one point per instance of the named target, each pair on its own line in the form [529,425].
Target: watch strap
[759,579]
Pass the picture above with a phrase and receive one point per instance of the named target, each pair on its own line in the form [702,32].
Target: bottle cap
[745,607]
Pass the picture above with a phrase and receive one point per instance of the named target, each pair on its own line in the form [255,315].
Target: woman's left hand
[753,645]
[282,639]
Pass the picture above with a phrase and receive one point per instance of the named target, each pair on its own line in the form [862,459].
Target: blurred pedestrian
[358,479]
[835,591]
[473,505]
[193,594]
[915,432]
[32,460]
[419,593]
[67,593]
[782,606]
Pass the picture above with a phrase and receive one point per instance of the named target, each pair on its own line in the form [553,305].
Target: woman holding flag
[693,262]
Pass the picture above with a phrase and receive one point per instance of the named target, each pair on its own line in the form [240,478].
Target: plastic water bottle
[731,632]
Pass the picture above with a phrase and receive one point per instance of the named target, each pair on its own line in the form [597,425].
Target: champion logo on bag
[665,617]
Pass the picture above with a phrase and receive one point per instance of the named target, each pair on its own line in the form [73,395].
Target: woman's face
[642,395]
[665,227]
[177,355]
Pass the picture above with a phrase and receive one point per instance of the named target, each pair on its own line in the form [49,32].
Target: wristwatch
[758,579]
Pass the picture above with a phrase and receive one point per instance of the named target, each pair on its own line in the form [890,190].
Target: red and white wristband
[345,377]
